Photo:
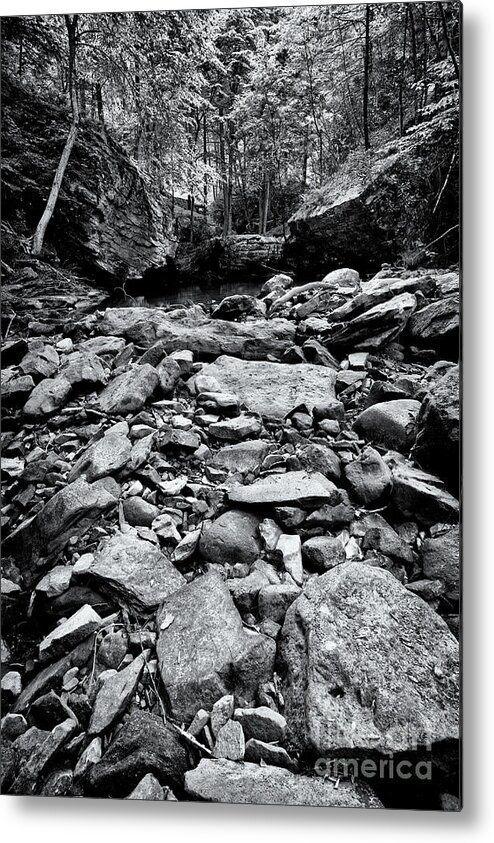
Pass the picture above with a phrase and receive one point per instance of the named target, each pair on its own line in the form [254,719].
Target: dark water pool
[208,292]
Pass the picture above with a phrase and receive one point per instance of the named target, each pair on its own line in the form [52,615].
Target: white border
[78,821]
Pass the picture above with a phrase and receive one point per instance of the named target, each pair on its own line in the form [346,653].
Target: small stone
[148,789]
[91,755]
[274,601]
[11,685]
[138,512]
[221,712]
[114,696]
[12,726]
[291,550]
[261,723]
[257,751]
[234,430]
[230,742]
[201,719]
[71,632]
[368,477]
[233,537]
[323,552]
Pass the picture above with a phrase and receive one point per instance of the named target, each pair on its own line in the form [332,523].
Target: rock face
[226,781]
[195,331]
[372,684]
[273,389]
[135,571]
[106,216]
[438,438]
[205,653]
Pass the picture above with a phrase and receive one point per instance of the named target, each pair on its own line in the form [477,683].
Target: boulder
[437,447]
[315,457]
[226,781]
[274,600]
[234,307]
[262,723]
[391,424]
[293,487]
[41,361]
[422,496]
[143,745]
[105,456]
[321,553]
[83,369]
[15,390]
[47,397]
[243,457]
[437,326]
[203,336]
[204,653]
[273,389]
[114,695]
[231,538]
[103,345]
[134,572]
[128,392]
[369,667]
[234,430]
[375,327]
[138,512]
[441,559]
[368,477]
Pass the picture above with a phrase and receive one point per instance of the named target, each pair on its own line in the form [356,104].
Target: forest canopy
[241,112]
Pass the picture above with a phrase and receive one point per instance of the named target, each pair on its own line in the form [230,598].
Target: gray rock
[437,324]
[422,496]
[194,331]
[205,653]
[380,667]
[90,756]
[234,307]
[15,390]
[230,742]
[221,713]
[261,723]
[40,756]
[314,457]
[114,696]
[169,373]
[128,392]
[12,726]
[103,345]
[143,745]
[375,327]
[290,548]
[230,782]
[391,424]
[11,685]
[438,439]
[138,512]
[149,789]
[135,572]
[321,553]
[441,559]
[273,389]
[368,477]
[274,600]
[231,538]
[268,753]
[69,633]
[242,457]
[245,590]
[83,369]
[47,397]
[234,430]
[293,487]
[105,456]
[380,536]
[41,361]
[55,582]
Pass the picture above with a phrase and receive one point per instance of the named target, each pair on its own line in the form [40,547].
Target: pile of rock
[231,549]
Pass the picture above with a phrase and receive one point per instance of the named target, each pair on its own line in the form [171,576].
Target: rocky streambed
[231,544]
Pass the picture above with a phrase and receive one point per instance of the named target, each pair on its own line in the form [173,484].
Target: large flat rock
[291,488]
[369,667]
[228,781]
[273,389]
[195,331]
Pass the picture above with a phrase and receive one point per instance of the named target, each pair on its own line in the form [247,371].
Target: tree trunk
[448,41]
[39,234]
[402,75]
[205,162]
[367,52]
[192,208]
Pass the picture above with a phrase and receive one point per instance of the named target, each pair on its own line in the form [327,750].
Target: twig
[445,183]
[14,316]
[190,738]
